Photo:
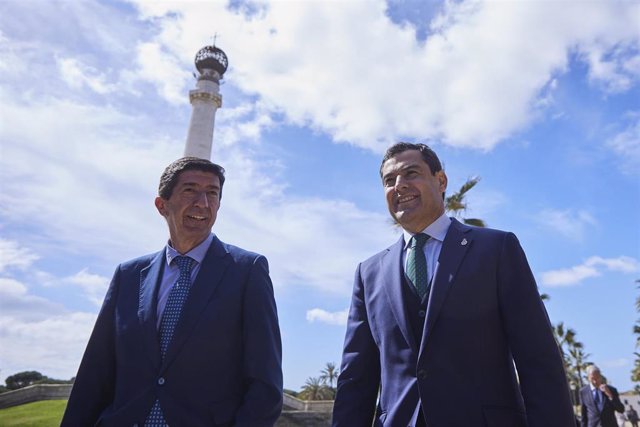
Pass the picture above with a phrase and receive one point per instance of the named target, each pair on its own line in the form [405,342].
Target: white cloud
[614,65]
[476,79]
[308,241]
[74,186]
[626,144]
[17,304]
[569,223]
[36,333]
[338,318]
[164,70]
[53,345]
[12,255]
[77,75]
[243,123]
[592,267]
[105,189]
[94,285]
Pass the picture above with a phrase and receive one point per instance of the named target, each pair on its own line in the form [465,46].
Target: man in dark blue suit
[187,336]
[599,401]
[446,326]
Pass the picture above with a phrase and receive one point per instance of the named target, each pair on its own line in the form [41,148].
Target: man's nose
[202,200]
[400,183]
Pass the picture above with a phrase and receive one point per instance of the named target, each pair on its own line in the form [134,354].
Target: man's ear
[442,180]
[160,205]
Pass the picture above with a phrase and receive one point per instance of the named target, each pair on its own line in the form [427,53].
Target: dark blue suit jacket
[484,312]
[592,416]
[223,366]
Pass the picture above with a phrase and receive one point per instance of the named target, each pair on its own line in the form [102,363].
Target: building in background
[211,63]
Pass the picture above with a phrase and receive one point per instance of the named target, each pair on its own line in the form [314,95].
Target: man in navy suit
[220,362]
[599,401]
[458,339]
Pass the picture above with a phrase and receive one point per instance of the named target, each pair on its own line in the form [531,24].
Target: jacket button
[421,313]
[160,381]
[422,374]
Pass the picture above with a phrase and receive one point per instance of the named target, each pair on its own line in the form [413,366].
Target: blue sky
[539,99]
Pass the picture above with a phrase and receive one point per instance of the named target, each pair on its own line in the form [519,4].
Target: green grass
[45,413]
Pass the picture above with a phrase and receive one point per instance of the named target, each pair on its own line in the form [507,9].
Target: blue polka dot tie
[177,296]
[417,264]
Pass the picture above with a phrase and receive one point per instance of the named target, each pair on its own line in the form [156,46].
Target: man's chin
[402,217]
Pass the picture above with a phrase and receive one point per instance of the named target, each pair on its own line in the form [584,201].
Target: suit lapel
[208,279]
[454,247]
[587,396]
[391,266]
[147,304]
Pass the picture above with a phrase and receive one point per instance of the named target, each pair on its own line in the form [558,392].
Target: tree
[315,389]
[564,337]
[573,355]
[329,374]
[635,373]
[23,379]
[456,204]
[577,362]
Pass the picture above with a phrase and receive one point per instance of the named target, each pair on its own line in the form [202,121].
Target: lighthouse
[211,63]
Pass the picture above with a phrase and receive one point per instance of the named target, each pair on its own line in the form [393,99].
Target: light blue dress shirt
[437,230]
[172,272]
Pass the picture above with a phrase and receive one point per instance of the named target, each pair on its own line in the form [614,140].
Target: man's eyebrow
[195,184]
[400,170]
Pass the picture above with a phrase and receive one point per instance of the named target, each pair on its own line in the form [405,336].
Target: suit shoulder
[374,259]
[488,232]
[239,254]
[494,235]
[139,262]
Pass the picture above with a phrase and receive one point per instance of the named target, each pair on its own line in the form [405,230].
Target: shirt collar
[437,230]
[196,253]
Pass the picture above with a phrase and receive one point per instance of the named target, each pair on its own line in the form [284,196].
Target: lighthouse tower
[211,63]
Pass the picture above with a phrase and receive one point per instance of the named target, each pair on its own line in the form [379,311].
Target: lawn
[45,413]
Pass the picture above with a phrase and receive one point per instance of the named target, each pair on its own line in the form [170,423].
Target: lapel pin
[464,242]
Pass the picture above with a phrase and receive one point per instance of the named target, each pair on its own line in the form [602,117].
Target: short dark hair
[169,177]
[428,155]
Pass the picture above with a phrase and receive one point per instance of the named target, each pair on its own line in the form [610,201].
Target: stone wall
[296,412]
[34,393]
[304,419]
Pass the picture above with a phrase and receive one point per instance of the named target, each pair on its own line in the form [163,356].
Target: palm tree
[635,373]
[574,357]
[565,339]
[315,389]
[329,374]
[456,204]
[578,363]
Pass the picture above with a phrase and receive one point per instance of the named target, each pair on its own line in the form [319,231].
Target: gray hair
[592,368]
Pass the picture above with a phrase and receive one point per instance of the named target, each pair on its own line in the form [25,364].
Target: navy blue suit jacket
[592,416]
[484,312]
[222,368]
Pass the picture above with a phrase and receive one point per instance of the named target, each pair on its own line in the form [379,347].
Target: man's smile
[405,199]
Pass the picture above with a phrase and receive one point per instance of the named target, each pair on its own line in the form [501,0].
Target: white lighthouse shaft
[205,100]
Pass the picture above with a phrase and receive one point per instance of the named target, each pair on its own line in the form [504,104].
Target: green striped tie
[417,264]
